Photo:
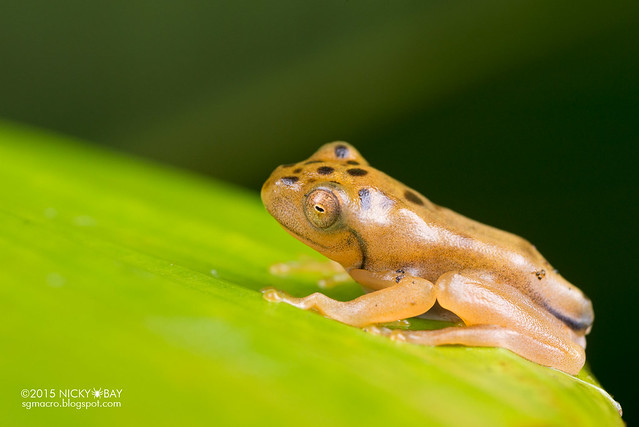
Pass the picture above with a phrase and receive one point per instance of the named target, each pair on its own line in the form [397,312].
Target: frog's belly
[437,312]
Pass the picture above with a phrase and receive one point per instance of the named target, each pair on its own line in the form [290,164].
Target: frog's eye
[322,208]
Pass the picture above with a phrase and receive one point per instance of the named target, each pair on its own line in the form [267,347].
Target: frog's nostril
[289,180]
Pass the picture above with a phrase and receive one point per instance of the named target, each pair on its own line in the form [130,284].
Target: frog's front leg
[408,297]
[498,315]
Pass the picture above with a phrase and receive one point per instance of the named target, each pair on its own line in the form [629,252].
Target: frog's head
[314,200]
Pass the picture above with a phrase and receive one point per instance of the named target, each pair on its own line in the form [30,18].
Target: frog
[412,257]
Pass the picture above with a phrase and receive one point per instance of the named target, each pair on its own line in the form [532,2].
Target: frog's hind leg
[498,315]
[487,336]
[411,297]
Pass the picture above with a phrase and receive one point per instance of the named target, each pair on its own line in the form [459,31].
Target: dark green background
[520,114]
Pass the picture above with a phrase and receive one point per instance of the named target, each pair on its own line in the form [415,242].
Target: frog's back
[527,269]
[511,257]
[488,235]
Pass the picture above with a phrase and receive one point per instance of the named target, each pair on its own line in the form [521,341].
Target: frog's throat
[301,237]
[360,241]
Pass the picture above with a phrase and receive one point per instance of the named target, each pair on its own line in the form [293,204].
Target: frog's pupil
[319,208]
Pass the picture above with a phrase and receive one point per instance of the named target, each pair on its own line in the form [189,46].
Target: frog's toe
[331,282]
[398,335]
[377,330]
[273,295]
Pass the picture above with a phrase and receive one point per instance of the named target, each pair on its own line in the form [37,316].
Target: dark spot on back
[353,162]
[288,180]
[298,170]
[364,198]
[341,151]
[412,197]
[325,170]
[313,161]
[357,172]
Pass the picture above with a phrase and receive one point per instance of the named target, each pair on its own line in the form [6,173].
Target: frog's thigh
[411,297]
[500,316]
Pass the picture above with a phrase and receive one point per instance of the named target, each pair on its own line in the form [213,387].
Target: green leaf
[121,274]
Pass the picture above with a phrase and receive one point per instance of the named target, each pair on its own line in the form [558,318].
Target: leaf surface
[121,274]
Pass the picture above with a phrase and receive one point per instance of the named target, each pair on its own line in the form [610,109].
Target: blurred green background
[520,114]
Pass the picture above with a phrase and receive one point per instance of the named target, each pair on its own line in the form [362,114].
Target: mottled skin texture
[410,253]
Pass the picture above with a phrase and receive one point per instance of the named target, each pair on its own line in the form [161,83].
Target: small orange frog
[411,254]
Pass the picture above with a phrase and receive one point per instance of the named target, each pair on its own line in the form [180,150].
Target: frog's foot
[331,282]
[393,334]
[377,330]
[306,303]
[306,265]
[333,272]
[274,295]
[387,328]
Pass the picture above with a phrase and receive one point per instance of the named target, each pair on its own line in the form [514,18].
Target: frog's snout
[268,193]
[277,191]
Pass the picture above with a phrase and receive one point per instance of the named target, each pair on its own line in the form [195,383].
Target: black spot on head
[357,172]
[288,180]
[288,165]
[341,151]
[325,170]
[313,161]
[353,162]
[364,198]
[298,170]
[412,197]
